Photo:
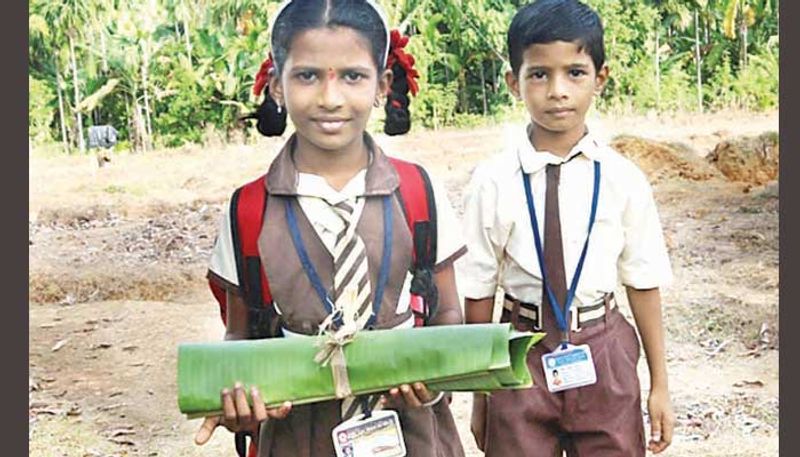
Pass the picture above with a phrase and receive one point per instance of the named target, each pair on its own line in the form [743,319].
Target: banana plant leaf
[478,357]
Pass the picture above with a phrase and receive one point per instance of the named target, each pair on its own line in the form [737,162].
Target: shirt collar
[532,160]
[311,185]
[381,178]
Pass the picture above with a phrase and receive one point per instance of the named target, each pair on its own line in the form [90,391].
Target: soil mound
[748,159]
[660,160]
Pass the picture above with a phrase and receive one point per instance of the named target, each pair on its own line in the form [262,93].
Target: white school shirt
[315,197]
[626,244]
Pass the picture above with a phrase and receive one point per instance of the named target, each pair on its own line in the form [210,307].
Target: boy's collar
[533,160]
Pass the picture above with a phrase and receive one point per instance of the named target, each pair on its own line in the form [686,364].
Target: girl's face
[329,85]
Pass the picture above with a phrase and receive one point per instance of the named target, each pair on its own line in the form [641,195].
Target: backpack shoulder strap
[247,208]
[419,205]
[248,205]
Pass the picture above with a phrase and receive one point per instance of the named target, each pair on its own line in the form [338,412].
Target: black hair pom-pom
[398,118]
[269,121]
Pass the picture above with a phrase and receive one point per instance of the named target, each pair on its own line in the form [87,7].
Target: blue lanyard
[557,308]
[313,276]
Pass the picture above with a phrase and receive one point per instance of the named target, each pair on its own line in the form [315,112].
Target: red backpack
[247,209]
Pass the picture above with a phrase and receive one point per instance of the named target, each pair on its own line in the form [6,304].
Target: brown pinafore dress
[306,431]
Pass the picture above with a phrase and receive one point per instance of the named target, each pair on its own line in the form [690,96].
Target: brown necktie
[553,258]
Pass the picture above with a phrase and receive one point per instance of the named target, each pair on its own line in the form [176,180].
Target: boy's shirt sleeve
[486,237]
[644,261]
[222,265]
[449,242]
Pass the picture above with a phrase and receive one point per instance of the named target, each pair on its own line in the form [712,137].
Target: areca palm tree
[68,19]
[746,13]
[45,59]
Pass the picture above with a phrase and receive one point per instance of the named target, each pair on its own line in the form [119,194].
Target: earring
[378,102]
[280,109]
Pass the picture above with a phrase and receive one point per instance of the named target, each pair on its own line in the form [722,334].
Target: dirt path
[117,261]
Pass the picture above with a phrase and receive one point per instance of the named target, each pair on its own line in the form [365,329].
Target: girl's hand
[408,396]
[238,416]
[662,420]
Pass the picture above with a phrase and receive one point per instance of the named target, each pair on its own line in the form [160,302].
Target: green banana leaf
[477,357]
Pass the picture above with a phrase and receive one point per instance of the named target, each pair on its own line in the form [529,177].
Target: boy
[604,229]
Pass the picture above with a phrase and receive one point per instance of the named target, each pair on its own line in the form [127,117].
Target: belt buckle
[538,316]
[574,325]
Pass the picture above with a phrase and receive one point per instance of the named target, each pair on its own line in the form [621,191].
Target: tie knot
[553,172]
[344,210]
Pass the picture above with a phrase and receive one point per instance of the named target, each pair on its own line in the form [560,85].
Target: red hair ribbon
[406,61]
[262,77]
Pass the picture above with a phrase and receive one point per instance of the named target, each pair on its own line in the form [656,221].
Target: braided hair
[398,118]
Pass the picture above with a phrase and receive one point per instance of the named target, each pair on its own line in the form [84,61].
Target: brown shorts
[603,419]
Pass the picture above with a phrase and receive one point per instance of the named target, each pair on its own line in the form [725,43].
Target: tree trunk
[104,50]
[145,66]
[483,91]
[139,143]
[77,94]
[494,76]
[64,138]
[658,69]
[131,122]
[187,40]
[743,38]
[744,45]
[462,91]
[698,62]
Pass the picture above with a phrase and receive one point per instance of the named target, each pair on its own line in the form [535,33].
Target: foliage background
[170,72]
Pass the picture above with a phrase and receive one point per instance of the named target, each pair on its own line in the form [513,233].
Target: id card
[569,368]
[378,436]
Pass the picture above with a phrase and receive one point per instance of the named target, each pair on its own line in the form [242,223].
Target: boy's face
[557,81]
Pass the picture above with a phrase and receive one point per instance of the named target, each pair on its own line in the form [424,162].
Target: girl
[331,193]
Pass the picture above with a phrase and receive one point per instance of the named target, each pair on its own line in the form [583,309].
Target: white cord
[436,399]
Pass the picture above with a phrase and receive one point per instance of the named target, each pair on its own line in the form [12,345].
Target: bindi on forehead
[331,74]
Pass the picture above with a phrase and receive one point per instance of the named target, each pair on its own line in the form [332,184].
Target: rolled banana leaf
[477,357]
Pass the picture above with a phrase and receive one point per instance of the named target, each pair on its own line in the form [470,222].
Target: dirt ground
[118,255]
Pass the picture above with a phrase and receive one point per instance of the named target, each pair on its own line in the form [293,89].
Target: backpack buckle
[422,284]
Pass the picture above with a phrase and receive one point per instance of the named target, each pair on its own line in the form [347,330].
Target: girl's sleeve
[222,265]
[449,241]
[483,231]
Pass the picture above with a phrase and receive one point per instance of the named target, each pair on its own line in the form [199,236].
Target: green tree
[68,19]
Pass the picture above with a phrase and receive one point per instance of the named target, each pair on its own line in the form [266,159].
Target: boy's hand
[662,420]
[238,416]
[478,421]
[409,396]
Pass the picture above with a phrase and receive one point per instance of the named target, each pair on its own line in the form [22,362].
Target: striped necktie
[351,286]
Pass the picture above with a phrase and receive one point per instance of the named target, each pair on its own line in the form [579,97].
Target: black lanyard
[313,276]
[557,308]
